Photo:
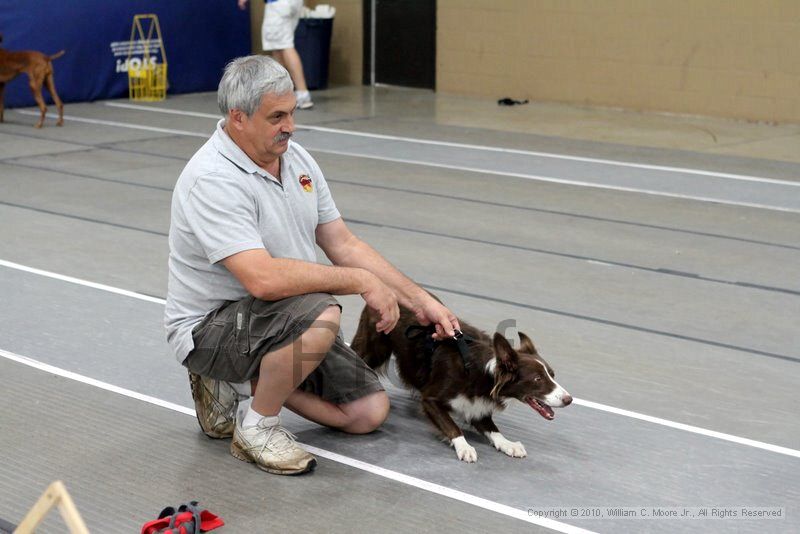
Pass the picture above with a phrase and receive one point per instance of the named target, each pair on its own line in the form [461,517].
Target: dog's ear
[526,345]
[505,354]
[506,369]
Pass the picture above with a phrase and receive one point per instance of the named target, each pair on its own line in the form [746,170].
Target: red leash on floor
[188,519]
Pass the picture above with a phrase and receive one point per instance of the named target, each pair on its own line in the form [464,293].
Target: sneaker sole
[214,435]
[239,454]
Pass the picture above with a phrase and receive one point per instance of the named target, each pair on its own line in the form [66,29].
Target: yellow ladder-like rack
[147,77]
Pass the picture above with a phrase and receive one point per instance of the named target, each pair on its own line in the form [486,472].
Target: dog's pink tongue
[543,409]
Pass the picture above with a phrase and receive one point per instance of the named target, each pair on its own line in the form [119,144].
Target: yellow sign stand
[55,495]
[147,78]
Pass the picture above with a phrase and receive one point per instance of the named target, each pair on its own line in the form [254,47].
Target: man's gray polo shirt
[223,203]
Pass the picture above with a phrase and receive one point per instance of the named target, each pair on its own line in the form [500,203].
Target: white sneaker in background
[303,100]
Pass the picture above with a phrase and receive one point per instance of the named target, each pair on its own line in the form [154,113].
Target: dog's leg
[486,426]
[36,88]
[2,105]
[51,86]
[440,417]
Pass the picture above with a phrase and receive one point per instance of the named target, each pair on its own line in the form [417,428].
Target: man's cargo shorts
[231,340]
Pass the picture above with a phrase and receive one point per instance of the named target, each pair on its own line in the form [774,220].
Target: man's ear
[505,354]
[236,119]
[526,345]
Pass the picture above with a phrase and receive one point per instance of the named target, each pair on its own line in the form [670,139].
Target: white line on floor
[477,147]
[86,283]
[689,428]
[121,124]
[587,404]
[578,183]
[352,462]
[557,180]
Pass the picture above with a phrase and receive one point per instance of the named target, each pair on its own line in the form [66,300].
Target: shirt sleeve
[223,216]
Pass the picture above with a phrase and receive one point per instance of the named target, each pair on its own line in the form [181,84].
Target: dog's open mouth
[543,409]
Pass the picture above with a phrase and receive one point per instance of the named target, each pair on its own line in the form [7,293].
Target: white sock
[253,418]
[301,94]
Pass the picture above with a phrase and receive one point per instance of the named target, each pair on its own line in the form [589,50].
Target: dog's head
[525,376]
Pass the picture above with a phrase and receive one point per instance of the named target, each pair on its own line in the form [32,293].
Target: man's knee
[322,331]
[369,413]
[329,319]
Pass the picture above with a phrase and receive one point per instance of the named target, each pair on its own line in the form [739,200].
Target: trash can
[312,40]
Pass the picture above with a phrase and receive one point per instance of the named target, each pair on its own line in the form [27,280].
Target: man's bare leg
[290,59]
[284,369]
[358,417]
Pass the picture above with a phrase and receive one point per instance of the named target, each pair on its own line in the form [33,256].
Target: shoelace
[285,440]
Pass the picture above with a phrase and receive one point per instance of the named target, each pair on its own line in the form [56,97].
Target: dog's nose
[567,399]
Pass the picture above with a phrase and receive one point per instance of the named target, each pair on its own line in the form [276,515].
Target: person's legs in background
[281,18]
[290,59]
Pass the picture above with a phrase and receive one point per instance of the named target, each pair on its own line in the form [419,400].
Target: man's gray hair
[247,79]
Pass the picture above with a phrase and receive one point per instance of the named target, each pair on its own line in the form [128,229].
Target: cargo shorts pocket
[240,316]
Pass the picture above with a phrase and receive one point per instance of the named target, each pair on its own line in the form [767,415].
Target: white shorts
[280,21]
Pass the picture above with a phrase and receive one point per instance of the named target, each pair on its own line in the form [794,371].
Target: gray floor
[674,299]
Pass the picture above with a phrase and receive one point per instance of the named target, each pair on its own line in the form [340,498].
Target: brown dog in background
[39,69]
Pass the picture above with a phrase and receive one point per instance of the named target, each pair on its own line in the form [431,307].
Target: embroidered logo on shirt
[305,181]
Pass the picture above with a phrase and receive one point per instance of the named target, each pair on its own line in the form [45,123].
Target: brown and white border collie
[495,374]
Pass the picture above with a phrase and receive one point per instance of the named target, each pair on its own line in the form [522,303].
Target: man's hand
[432,311]
[242,4]
[381,299]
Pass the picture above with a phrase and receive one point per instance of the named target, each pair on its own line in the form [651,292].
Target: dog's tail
[371,345]
[57,55]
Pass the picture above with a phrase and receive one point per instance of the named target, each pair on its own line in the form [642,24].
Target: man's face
[268,130]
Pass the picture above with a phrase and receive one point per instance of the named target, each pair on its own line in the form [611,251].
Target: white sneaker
[304,100]
[272,448]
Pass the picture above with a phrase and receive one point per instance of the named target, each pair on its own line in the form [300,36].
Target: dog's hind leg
[36,89]
[439,415]
[51,86]
[486,426]
[373,347]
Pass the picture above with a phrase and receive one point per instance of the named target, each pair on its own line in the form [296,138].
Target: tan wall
[346,43]
[736,58]
[347,50]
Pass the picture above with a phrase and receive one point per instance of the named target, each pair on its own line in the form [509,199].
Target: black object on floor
[510,102]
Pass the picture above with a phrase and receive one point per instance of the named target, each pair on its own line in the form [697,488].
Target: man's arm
[344,249]
[269,278]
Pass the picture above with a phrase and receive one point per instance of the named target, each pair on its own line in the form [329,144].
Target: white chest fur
[472,409]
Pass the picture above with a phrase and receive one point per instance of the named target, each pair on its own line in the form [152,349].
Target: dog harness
[460,339]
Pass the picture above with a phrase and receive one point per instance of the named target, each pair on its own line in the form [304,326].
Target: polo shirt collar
[231,151]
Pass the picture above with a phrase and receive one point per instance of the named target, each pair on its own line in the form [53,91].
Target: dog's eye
[537,379]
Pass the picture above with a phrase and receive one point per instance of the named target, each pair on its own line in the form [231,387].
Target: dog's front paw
[464,451]
[515,449]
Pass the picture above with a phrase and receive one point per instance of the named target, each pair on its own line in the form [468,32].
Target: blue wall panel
[200,37]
